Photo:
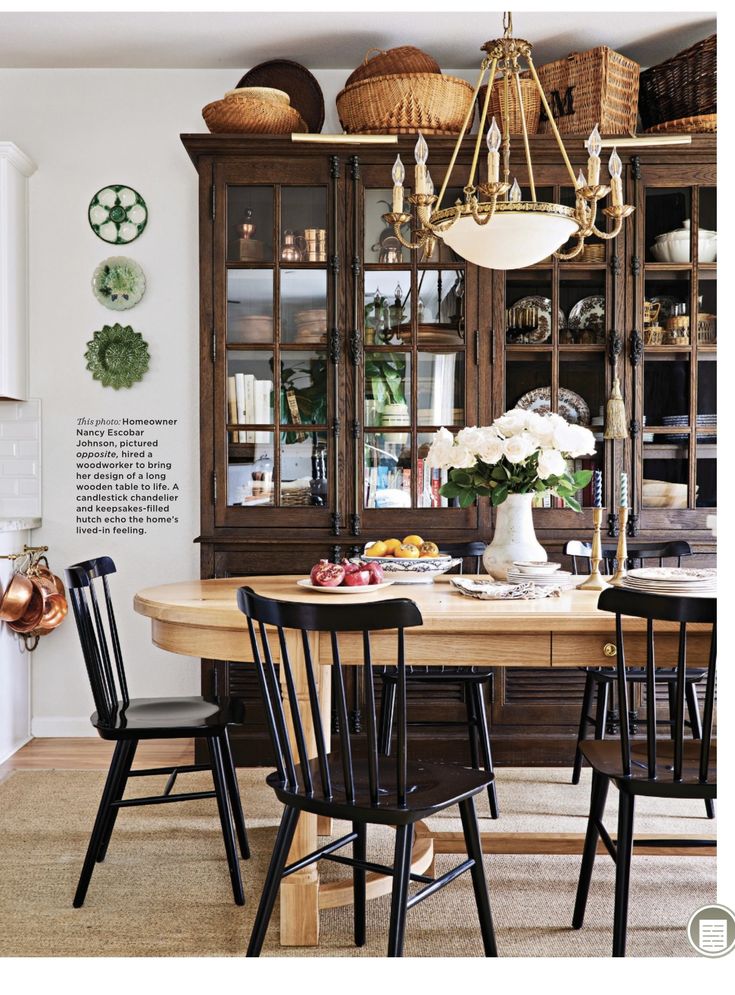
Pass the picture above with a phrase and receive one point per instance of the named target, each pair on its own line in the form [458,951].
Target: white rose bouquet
[521,452]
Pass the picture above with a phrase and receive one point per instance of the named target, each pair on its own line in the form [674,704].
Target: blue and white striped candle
[597,487]
[623,489]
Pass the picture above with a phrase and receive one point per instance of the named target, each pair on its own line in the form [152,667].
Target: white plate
[358,589]
[675,575]
[535,569]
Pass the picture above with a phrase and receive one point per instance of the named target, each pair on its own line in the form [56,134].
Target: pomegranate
[357,578]
[326,574]
[377,574]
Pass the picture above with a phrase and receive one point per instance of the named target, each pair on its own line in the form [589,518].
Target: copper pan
[16,599]
[34,609]
[55,607]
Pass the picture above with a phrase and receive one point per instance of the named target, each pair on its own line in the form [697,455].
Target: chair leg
[398,907]
[474,851]
[695,722]
[119,792]
[284,838]
[469,701]
[589,687]
[671,687]
[623,851]
[487,756]
[387,707]
[603,702]
[223,806]
[233,790]
[358,881]
[598,797]
[101,821]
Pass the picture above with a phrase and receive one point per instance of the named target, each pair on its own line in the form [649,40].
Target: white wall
[86,129]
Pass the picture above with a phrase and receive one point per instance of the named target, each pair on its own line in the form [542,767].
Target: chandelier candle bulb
[429,184]
[421,154]
[615,167]
[594,147]
[515,192]
[399,175]
[493,154]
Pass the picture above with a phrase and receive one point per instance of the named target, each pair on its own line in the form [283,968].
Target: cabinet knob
[610,649]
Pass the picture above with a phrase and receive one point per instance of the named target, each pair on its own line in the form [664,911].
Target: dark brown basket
[599,86]
[403,59]
[296,80]
[681,87]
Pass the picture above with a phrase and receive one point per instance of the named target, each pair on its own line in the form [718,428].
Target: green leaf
[581,478]
[499,472]
[499,495]
[481,490]
[450,490]
[466,498]
[572,503]
[461,477]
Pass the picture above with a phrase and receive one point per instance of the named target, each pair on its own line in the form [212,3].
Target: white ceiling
[319,40]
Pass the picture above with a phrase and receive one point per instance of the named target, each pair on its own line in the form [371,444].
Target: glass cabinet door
[678,242]
[418,368]
[274,303]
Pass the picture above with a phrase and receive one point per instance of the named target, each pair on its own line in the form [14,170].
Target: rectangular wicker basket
[681,87]
[599,86]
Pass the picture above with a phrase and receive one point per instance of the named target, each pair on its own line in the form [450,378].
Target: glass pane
[250,472]
[666,211]
[707,220]
[582,392]
[381,244]
[707,476]
[707,316]
[249,393]
[582,304]
[441,389]
[666,390]
[440,307]
[303,391]
[667,309]
[304,306]
[303,235]
[707,392]
[387,470]
[387,389]
[388,307]
[665,472]
[304,471]
[528,308]
[249,224]
[250,306]
[430,479]
[528,381]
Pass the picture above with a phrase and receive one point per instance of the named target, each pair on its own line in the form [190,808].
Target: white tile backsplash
[20,458]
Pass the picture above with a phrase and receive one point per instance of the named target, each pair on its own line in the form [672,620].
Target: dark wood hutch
[323,379]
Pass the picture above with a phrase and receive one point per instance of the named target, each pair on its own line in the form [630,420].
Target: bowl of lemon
[411,560]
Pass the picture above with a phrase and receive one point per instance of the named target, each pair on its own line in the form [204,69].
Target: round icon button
[711,930]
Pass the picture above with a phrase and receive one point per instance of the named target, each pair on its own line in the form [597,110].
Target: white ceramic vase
[514,537]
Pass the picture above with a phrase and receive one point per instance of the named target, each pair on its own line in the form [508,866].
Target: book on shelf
[241,400]
[232,407]
[248,403]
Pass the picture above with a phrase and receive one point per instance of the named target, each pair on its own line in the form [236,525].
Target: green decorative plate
[117,214]
[117,356]
[118,283]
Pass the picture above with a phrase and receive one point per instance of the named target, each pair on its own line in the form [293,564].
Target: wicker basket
[593,253]
[405,103]
[683,86]
[531,105]
[599,86]
[653,335]
[403,59]
[248,115]
[706,329]
[690,125]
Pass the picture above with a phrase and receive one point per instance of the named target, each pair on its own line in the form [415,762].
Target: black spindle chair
[602,679]
[673,767]
[341,786]
[127,720]
[475,685]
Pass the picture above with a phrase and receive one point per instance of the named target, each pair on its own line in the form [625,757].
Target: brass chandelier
[494,227]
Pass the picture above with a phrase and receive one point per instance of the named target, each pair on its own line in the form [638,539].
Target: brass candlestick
[622,551]
[595,581]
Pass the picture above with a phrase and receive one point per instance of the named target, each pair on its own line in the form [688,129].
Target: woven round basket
[531,106]
[248,115]
[698,123]
[405,103]
[266,93]
[403,59]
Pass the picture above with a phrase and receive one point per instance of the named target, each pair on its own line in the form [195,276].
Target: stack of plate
[541,574]
[679,581]
[676,421]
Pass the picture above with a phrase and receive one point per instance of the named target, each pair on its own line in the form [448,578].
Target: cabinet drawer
[468,650]
[584,650]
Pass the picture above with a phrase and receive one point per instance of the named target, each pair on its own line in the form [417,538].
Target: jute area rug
[164,890]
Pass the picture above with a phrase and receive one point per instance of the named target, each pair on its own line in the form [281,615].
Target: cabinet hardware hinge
[214,202]
[214,486]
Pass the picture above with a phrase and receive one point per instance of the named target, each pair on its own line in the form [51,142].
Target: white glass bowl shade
[510,240]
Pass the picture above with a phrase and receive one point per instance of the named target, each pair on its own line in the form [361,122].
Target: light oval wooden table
[200,618]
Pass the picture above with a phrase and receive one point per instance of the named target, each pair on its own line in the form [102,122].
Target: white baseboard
[61,725]
[14,750]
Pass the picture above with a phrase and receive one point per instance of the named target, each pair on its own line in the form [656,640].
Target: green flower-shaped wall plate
[118,283]
[117,214]
[117,356]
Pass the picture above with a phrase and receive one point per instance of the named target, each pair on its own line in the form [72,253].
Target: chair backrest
[638,554]
[466,550]
[304,618]
[98,635]
[683,611]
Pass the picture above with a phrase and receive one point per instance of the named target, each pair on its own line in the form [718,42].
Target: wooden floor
[93,753]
